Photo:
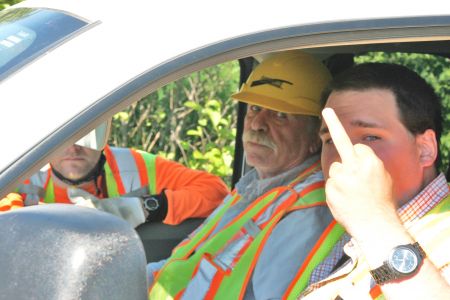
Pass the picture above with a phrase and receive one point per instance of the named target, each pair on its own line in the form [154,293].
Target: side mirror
[67,252]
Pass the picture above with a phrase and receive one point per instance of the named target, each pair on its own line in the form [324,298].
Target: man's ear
[427,146]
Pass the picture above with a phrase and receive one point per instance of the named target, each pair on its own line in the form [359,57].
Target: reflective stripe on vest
[49,191]
[318,253]
[221,267]
[235,263]
[432,231]
[125,169]
[33,189]
[185,248]
[41,179]
[176,274]
[10,202]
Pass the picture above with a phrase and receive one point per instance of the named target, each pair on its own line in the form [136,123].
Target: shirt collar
[251,183]
[423,202]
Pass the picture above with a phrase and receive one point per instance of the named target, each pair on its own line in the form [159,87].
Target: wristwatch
[151,203]
[403,261]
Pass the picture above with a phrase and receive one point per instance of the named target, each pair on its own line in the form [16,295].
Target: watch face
[404,260]
[151,203]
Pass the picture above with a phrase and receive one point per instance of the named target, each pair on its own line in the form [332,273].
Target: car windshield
[26,33]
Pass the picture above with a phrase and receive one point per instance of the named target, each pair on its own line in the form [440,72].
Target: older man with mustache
[268,231]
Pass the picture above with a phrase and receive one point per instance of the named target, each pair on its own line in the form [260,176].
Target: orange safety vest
[219,265]
[432,231]
[10,202]
[125,169]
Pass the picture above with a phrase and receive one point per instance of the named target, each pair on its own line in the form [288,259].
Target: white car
[67,66]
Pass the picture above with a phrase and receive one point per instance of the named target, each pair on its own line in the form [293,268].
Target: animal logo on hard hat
[271,81]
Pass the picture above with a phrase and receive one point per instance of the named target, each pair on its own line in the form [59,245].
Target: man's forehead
[355,123]
[349,95]
[358,103]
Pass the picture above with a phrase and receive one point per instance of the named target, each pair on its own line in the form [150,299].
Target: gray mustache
[259,138]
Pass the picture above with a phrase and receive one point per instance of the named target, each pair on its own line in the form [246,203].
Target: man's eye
[371,138]
[328,141]
[281,115]
[255,108]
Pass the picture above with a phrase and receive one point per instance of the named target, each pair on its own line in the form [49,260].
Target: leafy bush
[6,3]
[192,120]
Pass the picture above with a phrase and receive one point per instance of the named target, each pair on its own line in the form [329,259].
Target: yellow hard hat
[289,82]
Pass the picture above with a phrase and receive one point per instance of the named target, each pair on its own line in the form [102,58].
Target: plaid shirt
[428,198]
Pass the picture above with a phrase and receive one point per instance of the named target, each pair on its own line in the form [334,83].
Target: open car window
[65,87]
[192,121]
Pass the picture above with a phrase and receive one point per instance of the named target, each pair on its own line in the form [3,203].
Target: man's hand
[359,189]
[359,194]
[127,208]
[11,201]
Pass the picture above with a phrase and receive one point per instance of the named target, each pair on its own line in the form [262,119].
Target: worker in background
[134,185]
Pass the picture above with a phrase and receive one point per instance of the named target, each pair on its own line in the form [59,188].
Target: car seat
[67,252]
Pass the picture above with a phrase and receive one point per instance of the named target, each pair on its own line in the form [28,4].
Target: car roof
[128,51]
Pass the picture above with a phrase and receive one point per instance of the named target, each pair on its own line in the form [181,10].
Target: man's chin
[74,175]
[258,149]
[257,160]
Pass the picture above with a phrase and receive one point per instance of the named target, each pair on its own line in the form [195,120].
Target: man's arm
[190,193]
[380,236]
[359,193]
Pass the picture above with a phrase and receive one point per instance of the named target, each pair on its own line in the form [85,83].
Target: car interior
[425,51]
[421,43]
[159,239]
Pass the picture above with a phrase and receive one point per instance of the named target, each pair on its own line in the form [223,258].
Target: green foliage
[192,121]
[6,3]
[435,71]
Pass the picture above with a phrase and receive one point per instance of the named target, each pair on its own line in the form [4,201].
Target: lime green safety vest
[219,266]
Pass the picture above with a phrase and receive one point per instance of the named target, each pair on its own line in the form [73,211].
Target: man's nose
[260,121]
[74,149]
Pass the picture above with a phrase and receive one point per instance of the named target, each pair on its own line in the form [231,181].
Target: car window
[194,120]
[26,33]
[191,120]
